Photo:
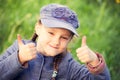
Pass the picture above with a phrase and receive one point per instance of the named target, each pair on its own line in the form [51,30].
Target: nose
[56,41]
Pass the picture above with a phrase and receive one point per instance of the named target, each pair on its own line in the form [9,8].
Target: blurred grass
[99,21]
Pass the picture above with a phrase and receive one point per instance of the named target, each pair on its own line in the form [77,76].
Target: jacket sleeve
[9,63]
[81,72]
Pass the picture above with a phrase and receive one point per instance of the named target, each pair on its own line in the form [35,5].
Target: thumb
[19,40]
[83,41]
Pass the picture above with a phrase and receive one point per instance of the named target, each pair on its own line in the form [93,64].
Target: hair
[57,58]
[34,37]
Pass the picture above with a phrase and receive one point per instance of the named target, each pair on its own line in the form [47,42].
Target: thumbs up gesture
[85,54]
[27,52]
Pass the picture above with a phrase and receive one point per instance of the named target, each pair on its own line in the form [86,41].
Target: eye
[51,33]
[66,38]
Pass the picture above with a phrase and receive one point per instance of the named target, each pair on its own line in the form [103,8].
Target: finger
[81,54]
[19,40]
[84,58]
[31,45]
[81,49]
[32,49]
[83,41]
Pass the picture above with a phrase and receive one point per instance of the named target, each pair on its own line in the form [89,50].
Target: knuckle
[77,55]
[78,50]
[32,44]
[82,61]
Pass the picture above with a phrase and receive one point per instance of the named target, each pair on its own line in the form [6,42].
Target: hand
[85,54]
[27,52]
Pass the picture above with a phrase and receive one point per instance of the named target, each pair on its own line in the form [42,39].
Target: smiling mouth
[53,47]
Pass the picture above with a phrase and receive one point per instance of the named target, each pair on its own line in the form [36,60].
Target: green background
[99,21]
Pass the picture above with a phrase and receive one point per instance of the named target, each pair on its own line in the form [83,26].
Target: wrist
[99,67]
[95,62]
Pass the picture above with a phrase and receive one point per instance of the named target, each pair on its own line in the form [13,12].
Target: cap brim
[58,24]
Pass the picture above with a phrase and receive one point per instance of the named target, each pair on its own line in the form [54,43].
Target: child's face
[52,41]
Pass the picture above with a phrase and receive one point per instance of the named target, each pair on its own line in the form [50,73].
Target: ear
[37,28]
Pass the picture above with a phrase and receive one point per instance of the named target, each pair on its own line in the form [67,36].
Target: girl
[45,57]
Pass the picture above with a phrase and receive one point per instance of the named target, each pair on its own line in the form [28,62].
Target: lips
[55,47]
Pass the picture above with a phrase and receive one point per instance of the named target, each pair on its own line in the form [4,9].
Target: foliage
[99,21]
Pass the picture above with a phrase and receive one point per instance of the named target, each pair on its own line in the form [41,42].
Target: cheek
[64,44]
[42,39]
[41,43]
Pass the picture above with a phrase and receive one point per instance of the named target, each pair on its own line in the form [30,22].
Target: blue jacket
[41,68]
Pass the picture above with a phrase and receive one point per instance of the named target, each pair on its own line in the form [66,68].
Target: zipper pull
[54,73]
